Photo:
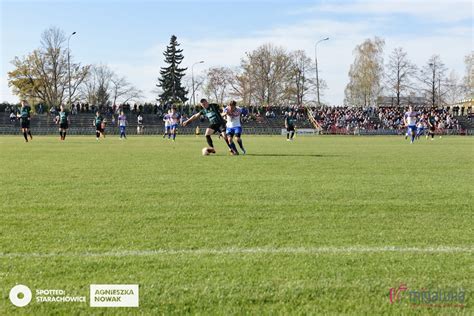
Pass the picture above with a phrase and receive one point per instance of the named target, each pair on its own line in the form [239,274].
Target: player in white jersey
[174,119]
[233,126]
[166,119]
[122,121]
[410,119]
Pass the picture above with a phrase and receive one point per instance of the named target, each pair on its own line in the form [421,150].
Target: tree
[468,80]
[454,88]
[122,90]
[268,73]
[301,82]
[42,75]
[104,87]
[218,83]
[170,81]
[400,72]
[432,77]
[365,73]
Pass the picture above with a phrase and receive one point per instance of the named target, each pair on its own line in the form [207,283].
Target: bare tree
[268,72]
[122,90]
[432,78]
[301,66]
[399,75]
[365,73]
[218,83]
[468,80]
[454,88]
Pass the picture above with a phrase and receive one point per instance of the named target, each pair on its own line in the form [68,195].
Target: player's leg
[23,130]
[292,133]
[173,132]
[288,134]
[60,133]
[412,134]
[230,140]
[64,133]
[238,137]
[209,132]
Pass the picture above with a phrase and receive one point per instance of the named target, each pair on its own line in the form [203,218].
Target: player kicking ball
[24,116]
[216,123]
[233,125]
[409,119]
[63,120]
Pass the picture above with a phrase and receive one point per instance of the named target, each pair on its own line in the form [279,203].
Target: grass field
[321,225]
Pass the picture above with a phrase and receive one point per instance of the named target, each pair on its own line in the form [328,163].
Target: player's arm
[192,118]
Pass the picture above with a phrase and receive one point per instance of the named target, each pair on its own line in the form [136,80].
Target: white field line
[262,250]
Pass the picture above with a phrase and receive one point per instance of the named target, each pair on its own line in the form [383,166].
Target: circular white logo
[20,295]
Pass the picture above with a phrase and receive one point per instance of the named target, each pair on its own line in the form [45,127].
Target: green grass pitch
[321,225]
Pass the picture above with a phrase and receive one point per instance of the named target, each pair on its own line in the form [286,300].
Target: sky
[130,36]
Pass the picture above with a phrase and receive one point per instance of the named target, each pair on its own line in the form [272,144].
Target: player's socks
[241,145]
[26,137]
[287,135]
[412,138]
[209,141]
[29,133]
[61,135]
[174,136]
[64,135]
[292,134]
[233,147]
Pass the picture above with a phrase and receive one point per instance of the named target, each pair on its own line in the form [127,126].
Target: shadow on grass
[290,155]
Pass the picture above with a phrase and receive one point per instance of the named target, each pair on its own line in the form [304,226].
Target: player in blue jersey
[409,119]
[174,120]
[166,119]
[232,113]
[420,127]
[122,122]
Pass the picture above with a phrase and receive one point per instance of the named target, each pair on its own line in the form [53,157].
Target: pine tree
[170,81]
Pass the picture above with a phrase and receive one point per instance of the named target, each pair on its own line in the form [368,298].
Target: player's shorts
[217,127]
[173,126]
[432,128]
[290,129]
[411,129]
[99,128]
[420,131]
[122,129]
[25,123]
[237,131]
[63,125]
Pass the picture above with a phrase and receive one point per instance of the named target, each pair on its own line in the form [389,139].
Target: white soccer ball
[205,151]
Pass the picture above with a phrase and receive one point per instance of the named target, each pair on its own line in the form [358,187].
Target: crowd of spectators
[338,118]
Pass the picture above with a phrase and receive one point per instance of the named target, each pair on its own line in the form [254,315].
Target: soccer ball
[205,151]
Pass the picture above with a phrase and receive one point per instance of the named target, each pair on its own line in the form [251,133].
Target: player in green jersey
[99,123]
[24,116]
[63,120]
[216,123]
[290,126]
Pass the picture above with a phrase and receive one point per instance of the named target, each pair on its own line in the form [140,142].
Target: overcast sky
[130,36]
